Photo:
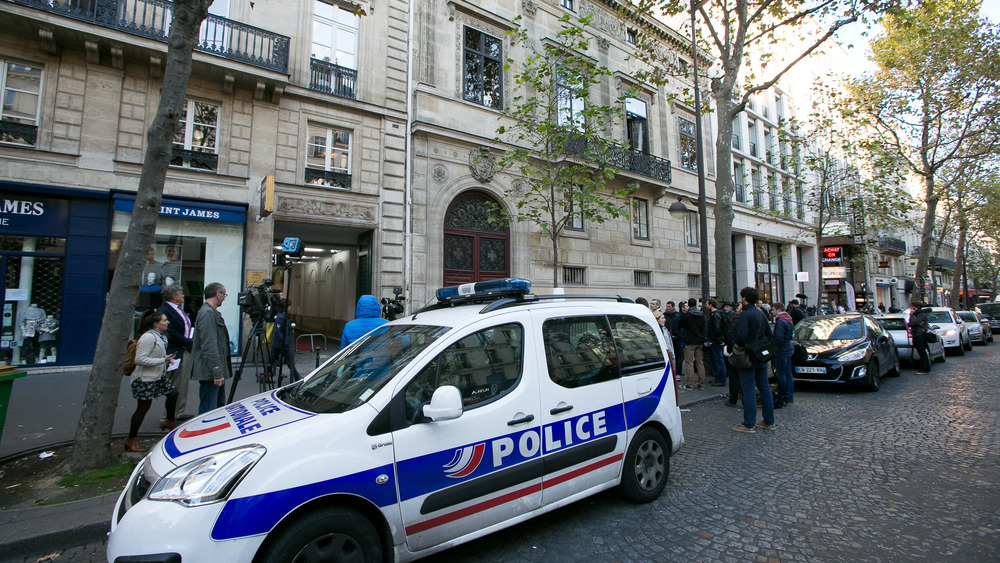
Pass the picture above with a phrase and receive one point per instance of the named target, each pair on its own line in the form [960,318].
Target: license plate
[809,370]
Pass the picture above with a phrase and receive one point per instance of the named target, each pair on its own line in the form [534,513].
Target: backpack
[129,365]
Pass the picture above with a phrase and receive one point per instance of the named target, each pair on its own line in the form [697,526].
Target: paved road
[909,473]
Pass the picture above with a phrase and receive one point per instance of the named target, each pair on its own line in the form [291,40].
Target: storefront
[58,250]
[196,243]
[770,271]
[53,245]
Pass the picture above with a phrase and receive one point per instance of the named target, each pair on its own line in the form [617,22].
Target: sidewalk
[46,529]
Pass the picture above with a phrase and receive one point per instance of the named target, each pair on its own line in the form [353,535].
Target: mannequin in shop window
[170,272]
[28,322]
[151,273]
[47,338]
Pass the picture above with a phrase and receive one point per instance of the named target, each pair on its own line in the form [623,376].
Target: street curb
[56,541]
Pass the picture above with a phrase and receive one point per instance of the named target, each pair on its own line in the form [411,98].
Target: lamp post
[700,158]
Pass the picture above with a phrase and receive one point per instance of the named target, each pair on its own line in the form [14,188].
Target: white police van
[488,408]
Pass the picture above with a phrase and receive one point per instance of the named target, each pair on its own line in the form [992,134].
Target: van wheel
[327,534]
[647,465]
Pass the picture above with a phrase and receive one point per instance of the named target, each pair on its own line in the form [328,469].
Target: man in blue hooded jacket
[367,316]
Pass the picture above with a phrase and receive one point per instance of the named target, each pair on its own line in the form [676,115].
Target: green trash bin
[7,377]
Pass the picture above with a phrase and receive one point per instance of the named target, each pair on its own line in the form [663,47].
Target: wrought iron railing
[626,159]
[328,178]
[194,159]
[333,79]
[18,133]
[892,243]
[152,18]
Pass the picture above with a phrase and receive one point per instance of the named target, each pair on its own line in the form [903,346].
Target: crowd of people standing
[701,340]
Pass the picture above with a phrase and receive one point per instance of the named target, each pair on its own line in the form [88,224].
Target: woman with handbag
[752,327]
[149,380]
[918,329]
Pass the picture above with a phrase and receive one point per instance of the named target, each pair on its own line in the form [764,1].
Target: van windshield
[354,376]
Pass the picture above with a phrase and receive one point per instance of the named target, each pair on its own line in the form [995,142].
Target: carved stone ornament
[529,8]
[603,20]
[603,44]
[481,163]
[291,205]
[439,173]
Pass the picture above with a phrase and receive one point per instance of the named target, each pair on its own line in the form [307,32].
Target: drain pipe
[407,165]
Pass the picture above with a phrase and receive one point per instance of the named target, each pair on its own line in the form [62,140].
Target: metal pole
[700,157]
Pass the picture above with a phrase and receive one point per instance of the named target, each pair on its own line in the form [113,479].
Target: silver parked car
[895,325]
[979,328]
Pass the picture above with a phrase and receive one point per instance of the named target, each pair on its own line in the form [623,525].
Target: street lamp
[700,157]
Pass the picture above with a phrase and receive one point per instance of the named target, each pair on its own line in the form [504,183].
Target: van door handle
[561,408]
[522,420]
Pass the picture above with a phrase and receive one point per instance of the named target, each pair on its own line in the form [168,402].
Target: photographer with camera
[367,316]
[391,308]
[281,340]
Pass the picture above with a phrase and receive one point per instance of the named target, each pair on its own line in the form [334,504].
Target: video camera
[259,301]
[391,308]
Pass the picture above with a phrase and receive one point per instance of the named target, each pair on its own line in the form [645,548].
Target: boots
[168,425]
[132,445]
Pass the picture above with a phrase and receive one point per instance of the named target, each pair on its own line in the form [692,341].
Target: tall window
[752,138]
[688,144]
[328,162]
[335,35]
[482,69]
[758,189]
[575,212]
[569,105]
[196,136]
[772,191]
[21,86]
[739,183]
[637,124]
[692,230]
[568,4]
[640,218]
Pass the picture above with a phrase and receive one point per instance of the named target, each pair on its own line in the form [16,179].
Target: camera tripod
[258,347]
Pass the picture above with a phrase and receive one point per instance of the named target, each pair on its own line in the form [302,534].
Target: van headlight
[208,479]
[853,356]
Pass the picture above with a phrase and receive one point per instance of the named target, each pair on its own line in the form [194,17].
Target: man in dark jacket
[795,311]
[367,316]
[783,360]
[751,325]
[180,332]
[717,339]
[918,330]
[692,323]
[671,321]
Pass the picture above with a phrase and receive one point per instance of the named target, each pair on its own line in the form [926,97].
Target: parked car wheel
[874,379]
[968,344]
[895,366]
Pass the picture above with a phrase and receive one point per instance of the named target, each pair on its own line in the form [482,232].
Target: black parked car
[848,349]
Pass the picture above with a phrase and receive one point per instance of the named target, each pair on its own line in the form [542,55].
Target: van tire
[647,466]
[326,534]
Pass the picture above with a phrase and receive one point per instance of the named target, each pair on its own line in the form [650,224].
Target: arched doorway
[475,248]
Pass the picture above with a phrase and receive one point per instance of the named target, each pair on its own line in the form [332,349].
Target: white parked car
[481,411]
[979,328]
[895,325]
[952,330]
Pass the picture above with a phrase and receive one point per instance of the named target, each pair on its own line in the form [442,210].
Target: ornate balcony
[891,245]
[328,178]
[333,79]
[199,160]
[218,36]
[630,160]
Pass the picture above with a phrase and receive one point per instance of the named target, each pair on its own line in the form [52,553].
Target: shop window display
[33,278]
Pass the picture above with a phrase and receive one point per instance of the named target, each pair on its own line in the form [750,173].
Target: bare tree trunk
[722,90]
[92,445]
[956,280]
[926,238]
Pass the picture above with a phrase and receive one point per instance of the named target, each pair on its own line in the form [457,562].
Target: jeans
[753,380]
[210,396]
[783,370]
[718,362]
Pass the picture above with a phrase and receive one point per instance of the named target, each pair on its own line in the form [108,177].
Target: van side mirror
[446,404]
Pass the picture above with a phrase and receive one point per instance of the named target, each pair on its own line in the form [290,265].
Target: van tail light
[677,393]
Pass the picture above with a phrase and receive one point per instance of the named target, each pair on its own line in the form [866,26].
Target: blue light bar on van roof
[483,290]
